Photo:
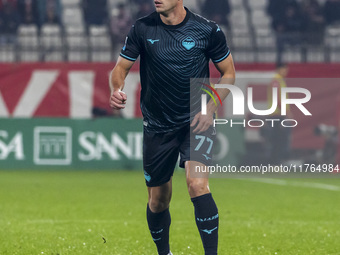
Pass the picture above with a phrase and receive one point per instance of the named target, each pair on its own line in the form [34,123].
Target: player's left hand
[203,122]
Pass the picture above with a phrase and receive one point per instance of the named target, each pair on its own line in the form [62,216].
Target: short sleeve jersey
[169,57]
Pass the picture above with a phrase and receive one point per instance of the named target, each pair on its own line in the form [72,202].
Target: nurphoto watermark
[267,126]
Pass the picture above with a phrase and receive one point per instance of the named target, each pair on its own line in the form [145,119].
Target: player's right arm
[117,81]
[128,56]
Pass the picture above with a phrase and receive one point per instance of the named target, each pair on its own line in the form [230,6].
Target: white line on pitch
[281,182]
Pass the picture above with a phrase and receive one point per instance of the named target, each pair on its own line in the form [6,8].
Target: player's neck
[174,17]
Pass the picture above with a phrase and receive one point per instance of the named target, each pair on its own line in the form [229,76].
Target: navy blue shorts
[161,152]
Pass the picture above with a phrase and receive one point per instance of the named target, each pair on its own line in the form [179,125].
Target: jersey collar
[175,26]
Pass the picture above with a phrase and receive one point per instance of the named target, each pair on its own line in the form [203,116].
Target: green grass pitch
[73,212]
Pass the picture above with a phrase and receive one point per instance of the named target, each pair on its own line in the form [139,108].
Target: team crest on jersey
[188,43]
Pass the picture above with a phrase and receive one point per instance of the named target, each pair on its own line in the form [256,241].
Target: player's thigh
[198,147]
[160,154]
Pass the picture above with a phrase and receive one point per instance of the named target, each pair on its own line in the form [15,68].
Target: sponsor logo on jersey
[152,41]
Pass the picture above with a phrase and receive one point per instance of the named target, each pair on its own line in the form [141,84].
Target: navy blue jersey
[169,57]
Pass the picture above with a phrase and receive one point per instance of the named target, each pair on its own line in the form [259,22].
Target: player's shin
[207,220]
[159,225]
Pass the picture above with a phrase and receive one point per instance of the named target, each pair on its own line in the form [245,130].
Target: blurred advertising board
[103,143]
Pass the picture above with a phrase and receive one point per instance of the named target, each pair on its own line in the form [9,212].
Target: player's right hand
[118,100]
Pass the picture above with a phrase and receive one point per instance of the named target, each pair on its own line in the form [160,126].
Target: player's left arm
[227,70]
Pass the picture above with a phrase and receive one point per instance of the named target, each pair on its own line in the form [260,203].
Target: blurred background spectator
[288,28]
[291,20]
[28,11]
[332,11]
[144,8]
[258,31]
[9,21]
[121,23]
[314,22]
[276,9]
[3,3]
[40,12]
[217,10]
[95,12]
[50,11]
[300,23]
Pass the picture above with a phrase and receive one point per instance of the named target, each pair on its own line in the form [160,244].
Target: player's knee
[158,204]
[197,187]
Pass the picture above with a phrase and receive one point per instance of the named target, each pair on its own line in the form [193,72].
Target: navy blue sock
[159,225]
[206,215]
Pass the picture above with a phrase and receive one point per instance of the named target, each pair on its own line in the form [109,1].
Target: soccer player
[174,46]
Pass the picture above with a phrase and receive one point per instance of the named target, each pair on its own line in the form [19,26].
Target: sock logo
[156,232]
[209,232]
[208,219]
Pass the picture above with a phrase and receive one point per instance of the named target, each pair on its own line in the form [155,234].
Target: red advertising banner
[53,90]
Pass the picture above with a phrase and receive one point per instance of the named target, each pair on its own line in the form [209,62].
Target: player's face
[165,6]
[284,71]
